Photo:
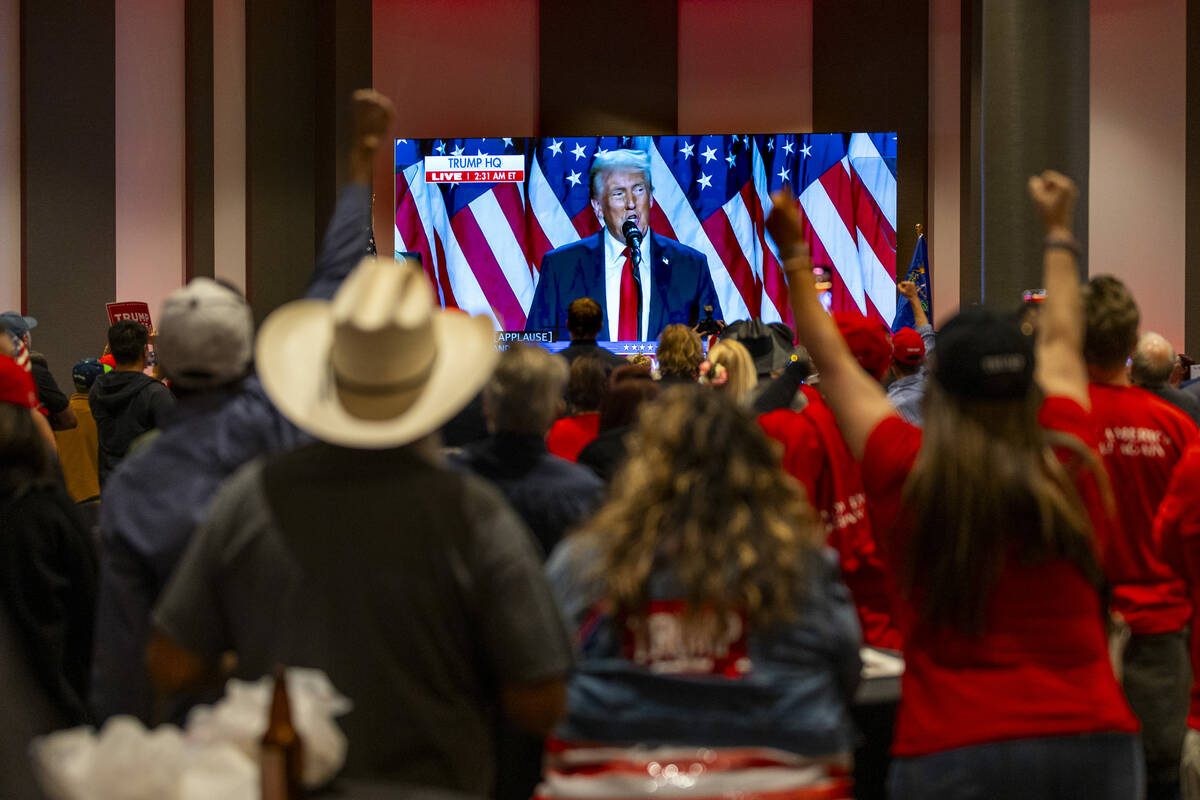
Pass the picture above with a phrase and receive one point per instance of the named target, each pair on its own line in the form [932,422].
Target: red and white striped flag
[482,243]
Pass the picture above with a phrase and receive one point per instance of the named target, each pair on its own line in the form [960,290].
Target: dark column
[1191,320]
[68,167]
[343,65]
[970,274]
[303,57]
[1026,68]
[281,68]
[198,134]
[596,81]
[871,73]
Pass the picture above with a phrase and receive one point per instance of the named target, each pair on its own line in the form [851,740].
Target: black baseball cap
[982,354]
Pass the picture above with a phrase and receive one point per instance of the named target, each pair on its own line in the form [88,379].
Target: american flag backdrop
[481,244]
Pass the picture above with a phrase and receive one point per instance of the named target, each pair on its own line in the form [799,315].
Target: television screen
[518,228]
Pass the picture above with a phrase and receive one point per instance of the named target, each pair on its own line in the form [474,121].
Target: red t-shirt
[816,455]
[1177,533]
[1141,439]
[569,435]
[1040,668]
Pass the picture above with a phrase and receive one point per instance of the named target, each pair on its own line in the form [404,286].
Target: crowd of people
[578,575]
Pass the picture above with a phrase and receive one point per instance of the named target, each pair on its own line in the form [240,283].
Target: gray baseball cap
[205,335]
[16,324]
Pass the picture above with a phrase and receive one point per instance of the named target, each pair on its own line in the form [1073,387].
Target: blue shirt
[906,394]
[157,497]
[550,493]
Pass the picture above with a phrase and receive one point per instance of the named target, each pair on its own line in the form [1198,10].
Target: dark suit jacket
[587,348]
[680,285]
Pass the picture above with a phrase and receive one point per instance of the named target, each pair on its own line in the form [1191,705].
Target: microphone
[633,240]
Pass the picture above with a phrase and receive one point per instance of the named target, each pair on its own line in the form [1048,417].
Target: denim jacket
[792,694]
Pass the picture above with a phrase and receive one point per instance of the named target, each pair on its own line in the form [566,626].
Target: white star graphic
[507,141]
[600,151]
[574,178]
[787,146]
[441,147]
[402,141]
[579,151]
[783,173]
[709,155]
[556,147]
[705,181]
[478,152]
[731,159]
[806,151]
[687,150]
[458,151]
[770,144]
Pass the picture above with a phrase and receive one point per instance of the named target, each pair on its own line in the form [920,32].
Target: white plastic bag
[215,758]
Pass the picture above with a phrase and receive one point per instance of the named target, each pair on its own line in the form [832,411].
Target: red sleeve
[803,457]
[1189,434]
[1177,525]
[1067,416]
[888,458]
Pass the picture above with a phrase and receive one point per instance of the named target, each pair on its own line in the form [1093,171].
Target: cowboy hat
[376,366]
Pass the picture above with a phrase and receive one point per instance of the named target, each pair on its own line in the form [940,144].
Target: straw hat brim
[292,355]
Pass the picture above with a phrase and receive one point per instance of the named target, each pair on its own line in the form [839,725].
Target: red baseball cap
[908,347]
[16,385]
[869,340]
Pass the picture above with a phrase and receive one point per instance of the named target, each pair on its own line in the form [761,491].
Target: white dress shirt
[614,263]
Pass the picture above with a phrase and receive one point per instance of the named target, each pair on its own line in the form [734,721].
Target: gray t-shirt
[417,589]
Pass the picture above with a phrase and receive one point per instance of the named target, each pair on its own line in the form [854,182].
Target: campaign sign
[133,309]
[475,169]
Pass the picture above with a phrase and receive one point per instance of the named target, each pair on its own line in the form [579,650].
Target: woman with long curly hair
[706,611]
[988,522]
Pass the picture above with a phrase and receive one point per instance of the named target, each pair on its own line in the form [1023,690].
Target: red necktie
[627,324]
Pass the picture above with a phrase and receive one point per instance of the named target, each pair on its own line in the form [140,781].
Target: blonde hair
[741,376]
[703,495]
[680,352]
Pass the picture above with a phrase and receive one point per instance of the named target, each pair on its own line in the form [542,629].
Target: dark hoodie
[125,405]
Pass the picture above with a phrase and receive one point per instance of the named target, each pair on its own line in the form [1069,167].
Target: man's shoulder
[154,388]
[569,475]
[179,465]
[183,445]
[573,251]
[591,350]
[906,384]
[1177,397]
[675,250]
[1134,406]
[786,425]
[1154,406]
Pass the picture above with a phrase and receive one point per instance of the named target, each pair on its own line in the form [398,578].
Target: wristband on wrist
[1061,243]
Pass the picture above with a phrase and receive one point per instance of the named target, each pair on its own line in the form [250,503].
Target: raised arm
[909,290]
[345,241]
[1061,370]
[857,400]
